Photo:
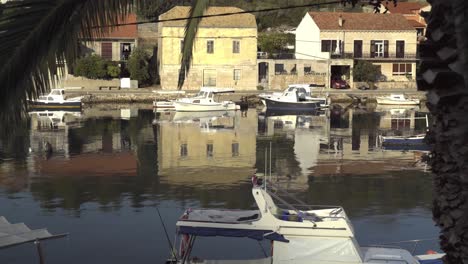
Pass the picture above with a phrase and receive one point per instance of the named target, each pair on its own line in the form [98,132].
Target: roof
[17,234]
[127,31]
[405,7]
[360,21]
[416,24]
[230,21]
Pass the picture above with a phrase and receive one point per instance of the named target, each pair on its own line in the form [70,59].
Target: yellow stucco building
[224,52]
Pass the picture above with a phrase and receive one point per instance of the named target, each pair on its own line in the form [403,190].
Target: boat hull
[68,106]
[192,107]
[291,106]
[163,105]
[404,143]
[386,101]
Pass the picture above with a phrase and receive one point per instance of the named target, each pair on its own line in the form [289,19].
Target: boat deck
[220,216]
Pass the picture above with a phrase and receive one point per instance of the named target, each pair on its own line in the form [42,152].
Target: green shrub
[113,71]
[91,67]
[137,66]
[365,71]
[260,88]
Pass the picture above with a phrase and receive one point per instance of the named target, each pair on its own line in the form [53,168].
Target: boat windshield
[56,92]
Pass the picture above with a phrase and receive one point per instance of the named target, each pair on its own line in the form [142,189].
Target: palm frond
[197,9]
[38,36]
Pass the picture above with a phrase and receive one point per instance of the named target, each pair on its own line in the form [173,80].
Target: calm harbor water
[102,176]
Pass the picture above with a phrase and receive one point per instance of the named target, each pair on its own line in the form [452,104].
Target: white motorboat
[323,101]
[292,99]
[396,99]
[301,234]
[303,98]
[56,100]
[205,101]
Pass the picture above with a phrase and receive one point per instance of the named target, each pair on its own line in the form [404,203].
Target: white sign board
[125,83]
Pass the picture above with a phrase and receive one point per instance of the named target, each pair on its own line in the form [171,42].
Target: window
[379,49]
[183,150]
[402,69]
[125,50]
[181,45]
[106,50]
[400,49]
[307,69]
[210,46]
[279,68]
[237,75]
[329,45]
[235,149]
[236,46]
[209,150]
[209,77]
[358,49]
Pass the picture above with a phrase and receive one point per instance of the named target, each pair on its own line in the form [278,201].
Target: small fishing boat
[307,95]
[415,142]
[205,101]
[396,99]
[56,100]
[299,233]
[292,99]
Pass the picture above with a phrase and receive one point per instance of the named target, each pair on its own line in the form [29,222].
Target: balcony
[367,56]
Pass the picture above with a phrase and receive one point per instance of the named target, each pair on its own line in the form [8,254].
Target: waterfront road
[149,91]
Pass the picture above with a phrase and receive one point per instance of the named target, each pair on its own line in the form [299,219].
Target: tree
[138,66]
[274,42]
[365,71]
[443,74]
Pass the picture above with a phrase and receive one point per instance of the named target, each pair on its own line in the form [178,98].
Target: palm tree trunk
[443,74]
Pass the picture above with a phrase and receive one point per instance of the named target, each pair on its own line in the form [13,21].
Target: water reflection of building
[300,135]
[72,144]
[211,147]
[354,146]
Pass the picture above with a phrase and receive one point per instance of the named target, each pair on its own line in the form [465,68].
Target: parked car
[338,83]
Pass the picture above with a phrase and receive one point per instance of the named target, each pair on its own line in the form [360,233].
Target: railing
[406,56]
[277,56]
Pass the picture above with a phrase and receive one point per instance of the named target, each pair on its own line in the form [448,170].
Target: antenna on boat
[270,160]
[173,252]
[266,169]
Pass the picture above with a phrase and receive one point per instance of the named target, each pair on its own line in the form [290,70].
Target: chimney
[340,21]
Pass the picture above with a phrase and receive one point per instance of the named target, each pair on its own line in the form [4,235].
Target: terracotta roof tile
[360,21]
[416,24]
[231,21]
[405,7]
[124,32]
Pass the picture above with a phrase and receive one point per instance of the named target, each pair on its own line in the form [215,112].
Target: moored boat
[298,233]
[205,101]
[292,99]
[56,100]
[396,99]
[305,93]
